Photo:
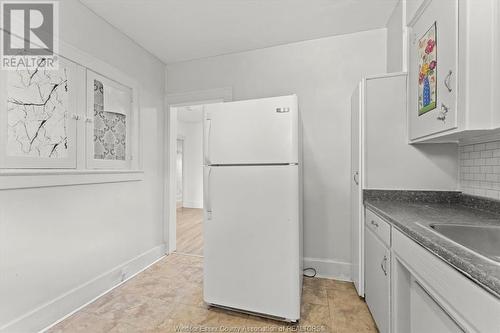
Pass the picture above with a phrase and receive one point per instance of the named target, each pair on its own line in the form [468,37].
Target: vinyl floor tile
[168,297]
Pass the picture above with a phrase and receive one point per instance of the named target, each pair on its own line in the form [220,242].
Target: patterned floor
[167,297]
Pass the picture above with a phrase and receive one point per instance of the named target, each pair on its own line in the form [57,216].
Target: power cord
[310,275]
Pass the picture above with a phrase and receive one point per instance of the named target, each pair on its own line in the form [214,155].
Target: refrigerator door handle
[208,201]
[208,129]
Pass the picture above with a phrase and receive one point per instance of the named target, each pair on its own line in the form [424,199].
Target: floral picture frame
[427,71]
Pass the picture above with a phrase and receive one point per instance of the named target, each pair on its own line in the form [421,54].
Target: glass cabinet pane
[109,136]
[110,128]
[37,113]
[38,116]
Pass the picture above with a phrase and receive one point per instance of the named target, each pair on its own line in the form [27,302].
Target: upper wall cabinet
[39,121]
[453,70]
[109,116]
[68,118]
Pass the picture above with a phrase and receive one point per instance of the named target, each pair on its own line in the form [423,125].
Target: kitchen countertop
[413,212]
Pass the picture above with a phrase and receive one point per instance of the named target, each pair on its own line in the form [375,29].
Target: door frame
[170,152]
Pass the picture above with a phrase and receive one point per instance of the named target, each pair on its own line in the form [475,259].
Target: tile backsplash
[480,169]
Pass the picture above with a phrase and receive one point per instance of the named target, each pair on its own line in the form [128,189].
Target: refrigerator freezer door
[259,131]
[252,239]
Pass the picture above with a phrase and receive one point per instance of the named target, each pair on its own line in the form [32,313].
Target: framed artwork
[427,67]
[109,108]
[38,125]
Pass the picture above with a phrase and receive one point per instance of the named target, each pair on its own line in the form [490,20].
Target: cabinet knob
[374,223]
[443,112]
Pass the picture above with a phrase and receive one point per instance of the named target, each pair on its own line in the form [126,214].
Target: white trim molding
[56,310]
[329,269]
[31,178]
[200,96]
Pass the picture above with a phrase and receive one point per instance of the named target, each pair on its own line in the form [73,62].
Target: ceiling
[180,30]
[190,114]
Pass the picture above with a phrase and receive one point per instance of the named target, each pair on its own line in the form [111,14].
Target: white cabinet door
[433,55]
[356,192]
[377,280]
[109,107]
[427,315]
[39,108]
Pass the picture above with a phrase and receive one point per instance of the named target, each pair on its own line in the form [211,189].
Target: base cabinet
[426,314]
[377,280]
[410,290]
[428,295]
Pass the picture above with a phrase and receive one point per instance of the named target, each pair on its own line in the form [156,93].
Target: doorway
[174,102]
[189,179]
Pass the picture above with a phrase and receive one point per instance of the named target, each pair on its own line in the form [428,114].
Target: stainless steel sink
[484,240]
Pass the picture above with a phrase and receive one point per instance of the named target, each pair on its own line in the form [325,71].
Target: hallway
[190,231]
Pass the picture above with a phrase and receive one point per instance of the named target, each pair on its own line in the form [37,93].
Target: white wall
[192,132]
[412,7]
[395,39]
[323,73]
[403,13]
[56,239]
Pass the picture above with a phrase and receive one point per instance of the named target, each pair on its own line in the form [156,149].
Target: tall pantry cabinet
[377,112]
[381,158]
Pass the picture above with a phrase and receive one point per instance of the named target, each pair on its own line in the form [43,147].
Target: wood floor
[190,231]
[168,297]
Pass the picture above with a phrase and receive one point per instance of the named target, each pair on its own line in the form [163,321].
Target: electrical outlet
[123,274]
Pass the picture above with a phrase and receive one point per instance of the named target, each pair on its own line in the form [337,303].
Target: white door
[377,280]
[433,65]
[427,315]
[356,209]
[259,131]
[251,236]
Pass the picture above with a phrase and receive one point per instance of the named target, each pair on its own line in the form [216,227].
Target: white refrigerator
[253,207]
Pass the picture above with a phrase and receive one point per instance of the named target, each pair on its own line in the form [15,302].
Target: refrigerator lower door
[259,131]
[252,238]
